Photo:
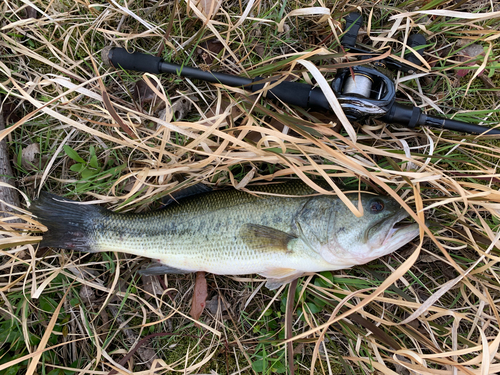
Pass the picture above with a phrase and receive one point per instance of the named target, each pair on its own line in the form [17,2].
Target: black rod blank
[413,116]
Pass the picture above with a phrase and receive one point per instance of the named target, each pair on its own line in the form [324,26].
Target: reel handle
[414,41]
[353,23]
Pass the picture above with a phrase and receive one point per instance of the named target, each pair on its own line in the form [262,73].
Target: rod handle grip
[139,62]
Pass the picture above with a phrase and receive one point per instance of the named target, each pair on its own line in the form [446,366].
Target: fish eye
[376,206]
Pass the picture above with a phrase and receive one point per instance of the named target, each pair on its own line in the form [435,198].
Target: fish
[233,232]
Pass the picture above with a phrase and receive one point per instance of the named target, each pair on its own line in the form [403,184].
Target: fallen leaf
[199,296]
[260,49]
[212,112]
[467,53]
[214,304]
[180,108]
[209,50]
[428,258]
[87,294]
[30,12]
[472,51]
[109,106]
[209,7]
[143,93]
[151,285]
[30,156]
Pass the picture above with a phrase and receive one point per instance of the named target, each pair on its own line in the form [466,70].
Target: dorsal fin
[196,189]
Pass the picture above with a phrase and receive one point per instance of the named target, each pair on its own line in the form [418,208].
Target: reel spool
[366,93]
[360,85]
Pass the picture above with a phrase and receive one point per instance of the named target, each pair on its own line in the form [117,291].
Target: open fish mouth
[401,231]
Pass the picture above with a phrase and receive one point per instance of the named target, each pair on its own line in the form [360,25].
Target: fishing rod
[364,91]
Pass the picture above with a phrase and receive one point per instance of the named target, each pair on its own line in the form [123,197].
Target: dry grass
[431,308]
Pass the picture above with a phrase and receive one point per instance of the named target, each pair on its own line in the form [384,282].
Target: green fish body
[230,232]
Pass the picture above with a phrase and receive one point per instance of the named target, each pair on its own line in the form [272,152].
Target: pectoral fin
[265,238]
[279,276]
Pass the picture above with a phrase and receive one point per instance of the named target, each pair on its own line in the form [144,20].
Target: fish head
[346,240]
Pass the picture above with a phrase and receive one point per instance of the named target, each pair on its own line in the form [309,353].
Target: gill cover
[329,228]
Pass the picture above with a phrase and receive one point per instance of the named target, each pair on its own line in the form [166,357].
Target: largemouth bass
[230,232]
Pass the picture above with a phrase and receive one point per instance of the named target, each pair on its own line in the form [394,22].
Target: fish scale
[207,239]
[234,232]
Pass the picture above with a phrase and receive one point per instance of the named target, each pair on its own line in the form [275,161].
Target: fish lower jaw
[390,235]
[399,237]
[396,233]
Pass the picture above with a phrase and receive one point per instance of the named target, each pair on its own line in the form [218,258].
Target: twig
[288,323]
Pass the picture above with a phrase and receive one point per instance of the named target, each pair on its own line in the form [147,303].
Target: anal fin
[161,269]
[279,276]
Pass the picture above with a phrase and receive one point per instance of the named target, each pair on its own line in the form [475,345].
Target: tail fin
[70,225]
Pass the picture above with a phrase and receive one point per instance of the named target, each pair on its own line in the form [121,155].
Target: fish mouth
[401,231]
[391,233]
